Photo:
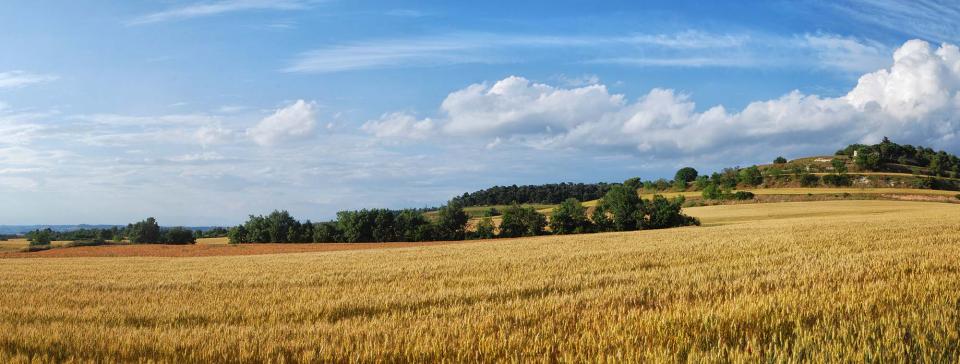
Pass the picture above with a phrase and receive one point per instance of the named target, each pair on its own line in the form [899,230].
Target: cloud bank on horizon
[318,106]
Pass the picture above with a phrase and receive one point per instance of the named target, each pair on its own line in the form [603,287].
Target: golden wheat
[817,281]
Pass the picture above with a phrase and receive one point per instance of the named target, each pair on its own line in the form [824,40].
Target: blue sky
[201,112]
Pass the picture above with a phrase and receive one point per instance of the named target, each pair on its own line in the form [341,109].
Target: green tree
[601,222]
[522,221]
[40,237]
[326,233]
[839,165]
[486,229]
[633,183]
[452,221]
[780,160]
[867,159]
[662,213]
[750,176]
[623,205]
[146,231]
[237,235]
[686,174]
[711,192]
[701,182]
[570,217]
[177,235]
[679,185]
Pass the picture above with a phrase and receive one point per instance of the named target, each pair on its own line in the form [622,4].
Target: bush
[780,160]
[743,195]
[177,235]
[809,180]
[957,196]
[837,180]
[711,192]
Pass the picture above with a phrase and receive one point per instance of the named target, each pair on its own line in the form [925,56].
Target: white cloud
[294,122]
[915,100]
[13,79]
[212,134]
[203,9]
[399,125]
[931,19]
[516,105]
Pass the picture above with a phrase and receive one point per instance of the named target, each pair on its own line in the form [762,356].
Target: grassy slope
[820,281]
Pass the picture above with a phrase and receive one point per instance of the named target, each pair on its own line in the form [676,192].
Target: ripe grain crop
[835,281]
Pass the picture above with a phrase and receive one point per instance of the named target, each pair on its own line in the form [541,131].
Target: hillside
[815,281]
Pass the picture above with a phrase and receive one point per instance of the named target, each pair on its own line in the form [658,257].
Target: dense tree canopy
[533,194]
[570,217]
[686,174]
[522,221]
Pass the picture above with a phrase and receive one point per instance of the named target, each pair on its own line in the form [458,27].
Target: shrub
[957,196]
[711,192]
[780,160]
[809,180]
[838,180]
[743,195]
[177,235]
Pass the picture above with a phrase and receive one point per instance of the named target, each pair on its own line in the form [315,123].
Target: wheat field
[837,281]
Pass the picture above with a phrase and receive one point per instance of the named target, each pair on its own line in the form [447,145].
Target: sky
[203,112]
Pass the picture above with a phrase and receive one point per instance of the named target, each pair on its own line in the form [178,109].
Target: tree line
[620,209]
[534,194]
[146,231]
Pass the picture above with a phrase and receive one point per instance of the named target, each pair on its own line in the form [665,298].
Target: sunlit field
[822,281]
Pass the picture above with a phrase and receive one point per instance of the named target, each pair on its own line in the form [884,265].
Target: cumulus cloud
[14,79]
[399,125]
[914,100]
[516,105]
[294,122]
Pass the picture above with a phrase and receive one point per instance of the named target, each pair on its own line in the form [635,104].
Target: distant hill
[883,165]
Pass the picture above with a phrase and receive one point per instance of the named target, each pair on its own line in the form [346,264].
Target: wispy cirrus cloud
[682,49]
[14,79]
[202,9]
[930,19]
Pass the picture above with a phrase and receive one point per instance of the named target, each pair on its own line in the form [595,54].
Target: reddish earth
[202,250]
